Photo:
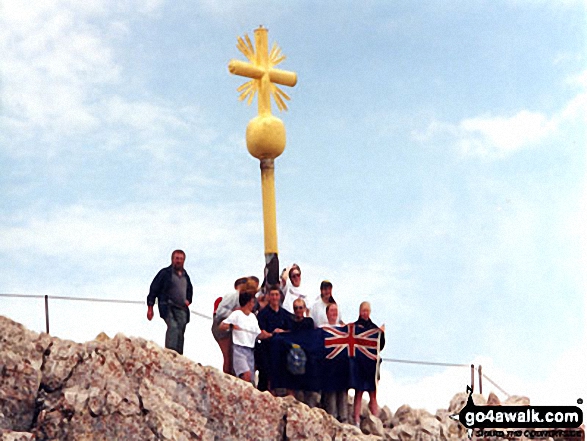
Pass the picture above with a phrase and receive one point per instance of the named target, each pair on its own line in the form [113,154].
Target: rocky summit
[131,389]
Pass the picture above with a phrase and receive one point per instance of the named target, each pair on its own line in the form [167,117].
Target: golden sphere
[266,137]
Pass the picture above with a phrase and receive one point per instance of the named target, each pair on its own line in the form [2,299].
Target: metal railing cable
[205,316]
[494,383]
[429,363]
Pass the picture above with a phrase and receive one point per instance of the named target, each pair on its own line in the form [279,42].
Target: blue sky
[435,165]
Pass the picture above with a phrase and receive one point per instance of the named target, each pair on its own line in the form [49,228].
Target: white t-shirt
[318,314]
[249,328]
[293,293]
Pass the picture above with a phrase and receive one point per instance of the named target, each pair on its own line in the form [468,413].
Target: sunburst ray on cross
[261,64]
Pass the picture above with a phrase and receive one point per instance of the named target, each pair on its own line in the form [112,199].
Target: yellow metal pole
[269,211]
[265,133]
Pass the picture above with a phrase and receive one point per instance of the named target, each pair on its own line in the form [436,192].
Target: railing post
[480,379]
[47,313]
[472,378]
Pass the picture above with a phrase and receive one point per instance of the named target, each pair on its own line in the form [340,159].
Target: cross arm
[278,76]
[283,77]
[245,69]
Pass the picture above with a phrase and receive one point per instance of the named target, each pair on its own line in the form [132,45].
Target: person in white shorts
[245,331]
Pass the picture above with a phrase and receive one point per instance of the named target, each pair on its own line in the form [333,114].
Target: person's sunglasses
[295,275]
[298,307]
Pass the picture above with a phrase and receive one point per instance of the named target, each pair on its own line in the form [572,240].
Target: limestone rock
[372,425]
[517,400]
[130,388]
[20,376]
[493,400]
[460,399]
[385,415]
[16,436]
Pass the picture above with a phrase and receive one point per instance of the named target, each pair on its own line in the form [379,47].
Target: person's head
[255,280]
[365,310]
[326,291]
[295,275]
[251,287]
[299,307]
[332,313]
[274,296]
[246,300]
[240,283]
[177,259]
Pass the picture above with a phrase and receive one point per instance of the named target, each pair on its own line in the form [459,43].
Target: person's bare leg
[246,376]
[357,406]
[224,344]
[373,407]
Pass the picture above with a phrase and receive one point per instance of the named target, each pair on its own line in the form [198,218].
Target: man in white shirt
[245,331]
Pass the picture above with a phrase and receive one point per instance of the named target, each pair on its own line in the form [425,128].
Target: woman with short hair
[364,323]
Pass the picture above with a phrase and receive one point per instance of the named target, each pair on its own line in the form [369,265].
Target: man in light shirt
[245,331]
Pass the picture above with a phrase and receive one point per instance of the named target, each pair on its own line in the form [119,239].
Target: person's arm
[229,323]
[264,335]
[154,291]
[226,326]
[190,291]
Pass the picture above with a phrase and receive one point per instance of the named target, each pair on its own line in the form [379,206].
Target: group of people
[246,320]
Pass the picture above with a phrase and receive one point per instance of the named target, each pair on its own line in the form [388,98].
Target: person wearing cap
[318,309]
[292,288]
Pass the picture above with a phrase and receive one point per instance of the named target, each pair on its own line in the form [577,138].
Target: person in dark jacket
[273,319]
[300,321]
[364,323]
[173,290]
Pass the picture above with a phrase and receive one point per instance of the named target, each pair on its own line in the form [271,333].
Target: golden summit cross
[261,70]
[265,132]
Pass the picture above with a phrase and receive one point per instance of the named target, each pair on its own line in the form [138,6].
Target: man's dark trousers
[176,320]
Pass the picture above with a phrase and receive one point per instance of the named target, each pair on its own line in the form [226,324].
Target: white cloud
[131,229]
[483,136]
[61,77]
[52,60]
[496,137]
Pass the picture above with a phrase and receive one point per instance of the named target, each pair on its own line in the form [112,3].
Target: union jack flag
[345,337]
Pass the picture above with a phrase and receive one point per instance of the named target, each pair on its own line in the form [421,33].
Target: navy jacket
[160,286]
